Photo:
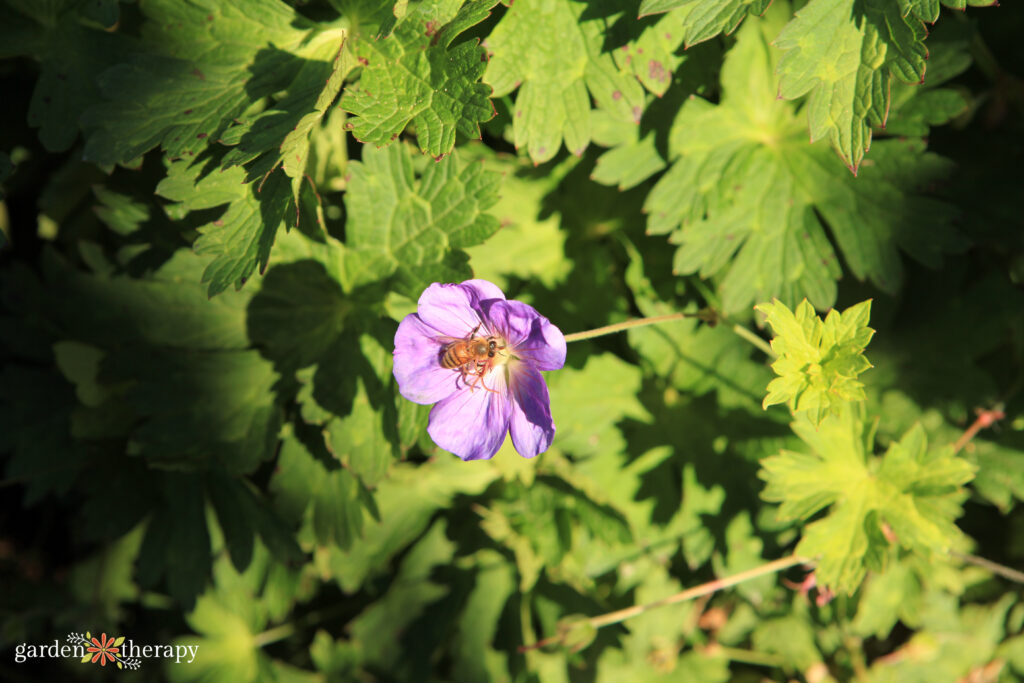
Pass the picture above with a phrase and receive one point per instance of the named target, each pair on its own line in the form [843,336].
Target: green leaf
[555,57]
[792,638]
[233,504]
[707,18]
[187,95]
[241,238]
[953,640]
[382,632]
[818,362]
[301,479]
[414,75]
[744,551]
[196,409]
[106,13]
[71,54]
[747,198]
[280,136]
[998,458]
[412,229]
[473,642]
[177,541]
[908,497]
[105,579]
[694,358]
[80,364]
[652,56]
[227,618]
[650,650]
[407,499]
[359,440]
[298,314]
[928,10]
[846,55]
[167,308]
[530,244]
[885,600]
[914,109]
[587,405]
[35,430]
[122,213]
[632,159]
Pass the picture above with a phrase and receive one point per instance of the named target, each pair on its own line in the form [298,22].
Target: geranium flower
[478,356]
[104,649]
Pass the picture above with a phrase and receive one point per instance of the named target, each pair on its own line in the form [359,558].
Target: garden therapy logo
[115,650]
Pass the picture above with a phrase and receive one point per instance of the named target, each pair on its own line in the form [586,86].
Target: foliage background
[215,213]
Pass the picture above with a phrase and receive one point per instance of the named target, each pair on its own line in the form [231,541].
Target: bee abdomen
[449,360]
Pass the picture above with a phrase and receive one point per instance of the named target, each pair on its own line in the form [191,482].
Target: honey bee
[471,356]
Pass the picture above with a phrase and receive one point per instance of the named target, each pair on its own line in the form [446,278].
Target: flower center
[501,353]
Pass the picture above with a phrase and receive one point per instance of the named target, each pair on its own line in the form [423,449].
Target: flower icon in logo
[478,357]
[103,649]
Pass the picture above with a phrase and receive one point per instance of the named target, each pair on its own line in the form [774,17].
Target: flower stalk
[708,315]
[688,594]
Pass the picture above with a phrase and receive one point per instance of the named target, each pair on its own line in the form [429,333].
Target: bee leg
[466,372]
[463,372]
[487,388]
[481,369]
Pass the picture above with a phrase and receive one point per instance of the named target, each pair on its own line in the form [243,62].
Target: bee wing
[446,340]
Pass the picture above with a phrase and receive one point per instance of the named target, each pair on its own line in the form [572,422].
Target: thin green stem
[757,341]
[746,656]
[688,594]
[272,635]
[619,327]
[708,315]
[994,567]
[855,649]
[697,591]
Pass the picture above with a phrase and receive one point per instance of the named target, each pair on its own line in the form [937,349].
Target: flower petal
[531,424]
[530,335]
[472,423]
[483,289]
[454,310]
[421,379]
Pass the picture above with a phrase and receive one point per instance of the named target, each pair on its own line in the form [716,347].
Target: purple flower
[478,356]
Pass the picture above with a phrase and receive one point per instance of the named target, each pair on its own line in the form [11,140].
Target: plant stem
[708,315]
[619,327]
[757,341]
[697,591]
[745,656]
[986,418]
[688,594]
[994,567]
[272,635]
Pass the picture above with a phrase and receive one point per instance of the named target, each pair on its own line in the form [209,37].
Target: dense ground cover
[215,215]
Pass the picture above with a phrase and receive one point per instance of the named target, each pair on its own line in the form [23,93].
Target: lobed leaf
[557,76]
[241,239]
[818,362]
[416,76]
[707,18]
[186,91]
[747,197]
[413,230]
[846,55]
[906,498]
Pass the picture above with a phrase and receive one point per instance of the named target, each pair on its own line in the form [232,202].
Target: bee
[471,356]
